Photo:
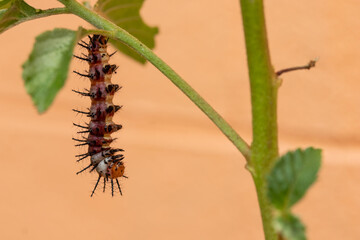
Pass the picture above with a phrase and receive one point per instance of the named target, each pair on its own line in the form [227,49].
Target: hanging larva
[106,161]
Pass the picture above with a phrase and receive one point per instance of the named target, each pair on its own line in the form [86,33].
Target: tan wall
[186,180]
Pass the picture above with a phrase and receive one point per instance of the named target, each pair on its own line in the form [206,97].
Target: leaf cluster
[46,69]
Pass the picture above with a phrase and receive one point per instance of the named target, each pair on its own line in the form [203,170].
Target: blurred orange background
[186,180]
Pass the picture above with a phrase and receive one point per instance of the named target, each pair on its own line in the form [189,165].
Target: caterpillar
[106,161]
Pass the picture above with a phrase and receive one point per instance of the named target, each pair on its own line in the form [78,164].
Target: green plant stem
[263,84]
[52,11]
[118,33]
[39,14]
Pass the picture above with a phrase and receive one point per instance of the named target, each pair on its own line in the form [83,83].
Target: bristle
[117,107]
[82,158]
[117,181]
[84,46]
[97,182]
[85,43]
[82,144]
[81,93]
[94,167]
[77,125]
[83,75]
[112,54]
[77,111]
[112,188]
[80,132]
[81,155]
[81,58]
[83,169]
[79,140]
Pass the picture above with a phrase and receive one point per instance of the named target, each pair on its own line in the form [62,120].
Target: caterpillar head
[111,167]
[117,170]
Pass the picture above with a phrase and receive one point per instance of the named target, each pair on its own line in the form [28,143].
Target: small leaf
[126,14]
[291,177]
[18,12]
[289,227]
[47,67]
[2,11]
[4,4]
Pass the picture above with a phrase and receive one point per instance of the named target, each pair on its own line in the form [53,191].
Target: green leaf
[289,227]
[46,69]
[291,177]
[18,12]
[4,4]
[2,11]
[126,14]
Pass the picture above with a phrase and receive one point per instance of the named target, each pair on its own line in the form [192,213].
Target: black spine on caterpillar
[105,160]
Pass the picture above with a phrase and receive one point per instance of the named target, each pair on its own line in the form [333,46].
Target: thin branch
[39,14]
[115,32]
[308,66]
[53,11]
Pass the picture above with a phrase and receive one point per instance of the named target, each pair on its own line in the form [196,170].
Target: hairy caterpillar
[105,160]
